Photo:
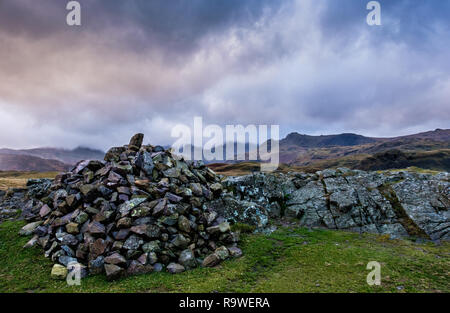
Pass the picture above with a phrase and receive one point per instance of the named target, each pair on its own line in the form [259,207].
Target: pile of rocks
[142,209]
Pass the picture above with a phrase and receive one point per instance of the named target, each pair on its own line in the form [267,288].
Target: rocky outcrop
[396,203]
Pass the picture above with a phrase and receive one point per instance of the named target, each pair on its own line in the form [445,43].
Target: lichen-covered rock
[59,272]
[395,203]
[187,259]
[240,211]
[426,202]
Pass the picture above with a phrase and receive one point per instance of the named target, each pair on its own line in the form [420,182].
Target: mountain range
[45,159]
[430,150]
[356,151]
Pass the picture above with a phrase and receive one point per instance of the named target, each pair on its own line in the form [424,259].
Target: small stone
[68,250]
[29,228]
[113,271]
[98,247]
[159,208]
[211,260]
[133,243]
[145,162]
[150,231]
[32,242]
[216,188]
[87,190]
[113,154]
[152,258]
[141,182]
[141,211]
[158,267]
[184,224]
[126,207]
[187,259]
[136,268]
[175,268]
[124,222]
[68,239]
[137,140]
[96,228]
[173,198]
[211,217]
[170,220]
[116,259]
[143,259]
[213,229]
[235,252]
[45,210]
[172,173]
[117,245]
[41,231]
[121,234]
[152,246]
[71,200]
[65,260]
[72,228]
[81,218]
[196,189]
[222,253]
[180,241]
[59,272]
[96,266]
[224,227]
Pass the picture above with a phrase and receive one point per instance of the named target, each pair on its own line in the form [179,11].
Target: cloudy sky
[311,66]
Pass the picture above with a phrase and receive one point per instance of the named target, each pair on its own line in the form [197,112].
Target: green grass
[413,169]
[289,260]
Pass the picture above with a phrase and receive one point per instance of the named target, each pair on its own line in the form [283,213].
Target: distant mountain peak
[308,141]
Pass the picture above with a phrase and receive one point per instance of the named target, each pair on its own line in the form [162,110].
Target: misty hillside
[307,141]
[15,162]
[296,150]
[63,155]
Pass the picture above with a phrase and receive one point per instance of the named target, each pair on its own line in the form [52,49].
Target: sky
[310,66]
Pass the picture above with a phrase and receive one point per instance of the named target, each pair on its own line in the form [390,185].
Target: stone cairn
[142,209]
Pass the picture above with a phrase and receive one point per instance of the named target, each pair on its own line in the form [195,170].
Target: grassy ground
[289,260]
[244,168]
[14,179]
[412,169]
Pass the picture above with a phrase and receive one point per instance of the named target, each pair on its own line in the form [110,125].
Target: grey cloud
[148,65]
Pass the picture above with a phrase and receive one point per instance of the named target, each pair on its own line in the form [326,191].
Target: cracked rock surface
[396,203]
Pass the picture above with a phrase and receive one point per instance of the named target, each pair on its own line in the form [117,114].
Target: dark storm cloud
[177,24]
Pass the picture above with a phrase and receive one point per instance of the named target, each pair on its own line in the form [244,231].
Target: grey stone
[29,228]
[187,259]
[175,268]
[113,271]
